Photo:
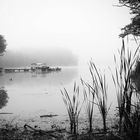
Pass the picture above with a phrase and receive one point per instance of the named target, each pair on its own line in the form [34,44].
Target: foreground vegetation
[126,81]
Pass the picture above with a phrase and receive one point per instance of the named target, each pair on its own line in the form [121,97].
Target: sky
[87,28]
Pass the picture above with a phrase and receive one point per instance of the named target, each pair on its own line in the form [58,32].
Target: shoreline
[47,121]
[53,130]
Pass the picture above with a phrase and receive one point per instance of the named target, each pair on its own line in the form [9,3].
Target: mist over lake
[52,57]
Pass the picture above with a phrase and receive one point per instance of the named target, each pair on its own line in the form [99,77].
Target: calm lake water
[34,94]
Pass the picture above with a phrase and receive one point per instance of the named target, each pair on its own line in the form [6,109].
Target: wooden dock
[29,69]
[7,70]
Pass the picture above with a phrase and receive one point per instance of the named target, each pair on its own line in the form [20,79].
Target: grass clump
[73,107]
[126,90]
[99,88]
[89,97]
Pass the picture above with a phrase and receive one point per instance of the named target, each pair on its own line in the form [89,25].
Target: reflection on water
[3,98]
[33,92]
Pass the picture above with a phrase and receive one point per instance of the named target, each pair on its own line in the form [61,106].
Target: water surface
[34,92]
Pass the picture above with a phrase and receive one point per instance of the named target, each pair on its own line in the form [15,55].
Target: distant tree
[134,27]
[2,44]
[3,93]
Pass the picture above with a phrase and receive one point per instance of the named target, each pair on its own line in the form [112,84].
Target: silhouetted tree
[134,27]
[2,44]
[131,114]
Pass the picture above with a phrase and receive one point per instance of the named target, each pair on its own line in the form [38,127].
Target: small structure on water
[9,70]
[39,66]
[43,67]
[35,67]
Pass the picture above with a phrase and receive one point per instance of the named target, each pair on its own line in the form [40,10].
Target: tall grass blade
[73,107]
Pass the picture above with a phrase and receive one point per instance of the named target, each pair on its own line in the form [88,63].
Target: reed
[100,89]
[73,107]
[89,97]
[134,119]
[123,83]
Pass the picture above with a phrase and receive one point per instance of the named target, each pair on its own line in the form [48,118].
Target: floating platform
[42,69]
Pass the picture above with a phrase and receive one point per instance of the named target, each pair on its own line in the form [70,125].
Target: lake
[33,94]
